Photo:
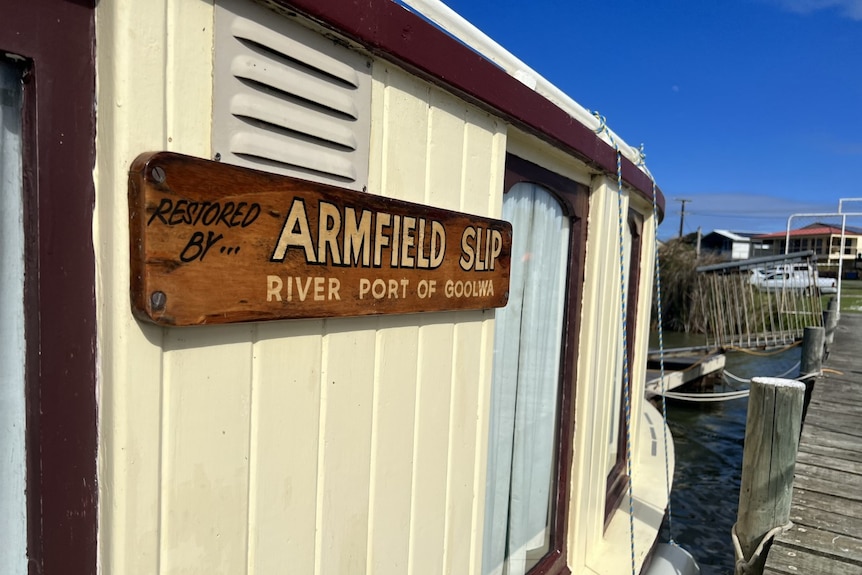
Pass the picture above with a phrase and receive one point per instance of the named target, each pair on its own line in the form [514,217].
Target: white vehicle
[792,277]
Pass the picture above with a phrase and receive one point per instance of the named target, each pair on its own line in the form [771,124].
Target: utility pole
[683,201]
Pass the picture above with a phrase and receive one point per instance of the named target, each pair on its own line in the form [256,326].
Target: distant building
[821,238]
[732,245]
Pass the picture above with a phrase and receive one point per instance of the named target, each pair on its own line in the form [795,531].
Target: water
[708,438]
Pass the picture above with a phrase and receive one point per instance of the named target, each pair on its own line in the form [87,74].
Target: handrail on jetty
[760,302]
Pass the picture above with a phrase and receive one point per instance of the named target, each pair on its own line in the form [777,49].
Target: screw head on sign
[158,174]
[158,299]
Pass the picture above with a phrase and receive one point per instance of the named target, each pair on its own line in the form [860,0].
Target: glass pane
[526,383]
[13,519]
[616,406]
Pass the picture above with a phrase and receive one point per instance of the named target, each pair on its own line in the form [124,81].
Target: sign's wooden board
[213,243]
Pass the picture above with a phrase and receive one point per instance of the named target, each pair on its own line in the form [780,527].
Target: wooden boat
[310,286]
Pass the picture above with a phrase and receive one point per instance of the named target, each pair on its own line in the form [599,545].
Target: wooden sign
[213,243]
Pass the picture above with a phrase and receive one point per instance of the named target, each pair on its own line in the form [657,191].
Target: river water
[708,438]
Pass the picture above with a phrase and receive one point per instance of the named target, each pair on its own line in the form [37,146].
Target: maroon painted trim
[56,38]
[574,198]
[618,478]
[395,33]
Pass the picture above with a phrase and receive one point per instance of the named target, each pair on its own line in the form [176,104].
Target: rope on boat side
[656,262]
[626,391]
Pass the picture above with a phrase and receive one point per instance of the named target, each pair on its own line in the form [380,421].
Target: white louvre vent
[288,99]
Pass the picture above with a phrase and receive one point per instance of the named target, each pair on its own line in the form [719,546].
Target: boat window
[13,527]
[617,475]
[532,383]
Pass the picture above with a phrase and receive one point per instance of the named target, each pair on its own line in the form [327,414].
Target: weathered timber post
[813,339]
[768,464]
[830,322]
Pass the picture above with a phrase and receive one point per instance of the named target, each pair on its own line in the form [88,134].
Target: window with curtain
[528,422]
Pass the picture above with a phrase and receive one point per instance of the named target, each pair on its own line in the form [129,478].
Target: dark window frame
[54,41]
[574,199]
[618,477]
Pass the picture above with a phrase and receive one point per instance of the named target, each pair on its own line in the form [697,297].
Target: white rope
[785,374]
[703,397]
[663,380]
[736,377]
[726,395]
[744,566]
[624,325]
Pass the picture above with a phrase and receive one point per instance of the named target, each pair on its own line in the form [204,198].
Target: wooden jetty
[682,366]
[826,537]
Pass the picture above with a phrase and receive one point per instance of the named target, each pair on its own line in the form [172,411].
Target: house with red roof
[823,239]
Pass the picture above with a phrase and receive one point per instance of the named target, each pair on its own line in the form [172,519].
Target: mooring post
[811,363]
[830,322]
[768,464]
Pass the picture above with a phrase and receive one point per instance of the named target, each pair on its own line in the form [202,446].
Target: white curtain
[13,518]
[526,381]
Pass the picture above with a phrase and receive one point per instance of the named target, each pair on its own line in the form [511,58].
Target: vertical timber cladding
[213,243]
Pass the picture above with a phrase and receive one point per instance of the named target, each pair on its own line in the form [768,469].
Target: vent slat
[263,36]
[292,116]
[260,144]
[288,98]
[293,82]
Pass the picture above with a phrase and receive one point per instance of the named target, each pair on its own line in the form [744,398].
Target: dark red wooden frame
[397,34]
[618,478]
[55,40]
[574,198]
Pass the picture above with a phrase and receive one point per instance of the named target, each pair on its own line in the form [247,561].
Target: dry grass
[682,309]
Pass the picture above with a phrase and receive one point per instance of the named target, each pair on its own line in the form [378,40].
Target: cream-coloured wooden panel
[285,419]
[439,151]
[464,406]
[205,441]
[533,149]
[347,384]
[404,161]
[154,89]
[641,350]
[444,177]
[593,547]
[600,338]
[430,458]
[338,446]
[392,446]
[484,165]
[405,136]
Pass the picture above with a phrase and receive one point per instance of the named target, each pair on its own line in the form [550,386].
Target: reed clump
[683,307]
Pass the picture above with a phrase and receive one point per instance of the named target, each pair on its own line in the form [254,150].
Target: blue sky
[751,109]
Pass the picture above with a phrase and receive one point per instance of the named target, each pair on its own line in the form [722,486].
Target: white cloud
[849,8]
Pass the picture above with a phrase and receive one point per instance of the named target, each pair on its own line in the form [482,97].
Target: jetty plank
[835,451]
[785,560]
[808,503]
[831,461]
[681,369]
[836,421]
[824,543]
[826,537]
